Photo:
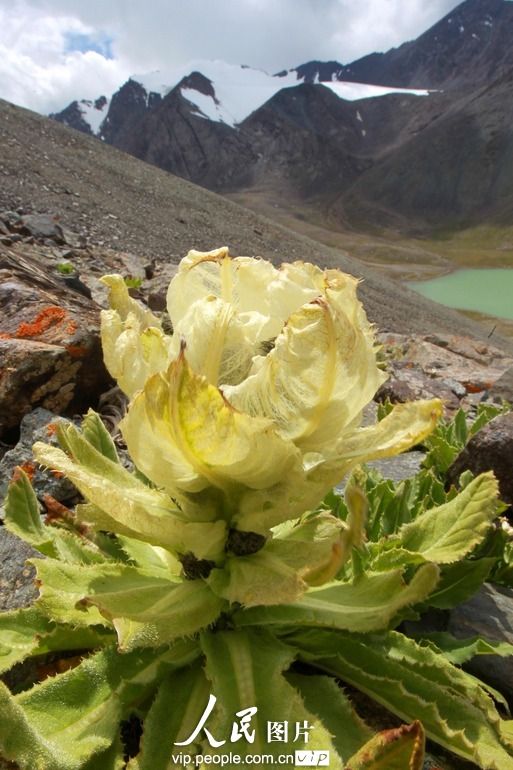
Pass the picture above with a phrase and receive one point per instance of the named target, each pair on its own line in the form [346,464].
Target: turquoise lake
[488,291]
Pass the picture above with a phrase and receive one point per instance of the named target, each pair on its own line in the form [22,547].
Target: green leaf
[20,631]
[145,608]
[61,723]
[401,748]
[460,427]
[173,716]
[386,554]
[279,572]
[415,682]
[260,579]
[27,632]
[459,581]
[245,669]
[22,514]
[459,651]
[325,699]
[112,759]
[98,436]
[151,557]
[124,505]
[368,604]
[448,533]
[23,518]
[62,587]
[75,548]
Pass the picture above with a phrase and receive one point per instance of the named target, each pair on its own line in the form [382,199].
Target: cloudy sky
[53,51]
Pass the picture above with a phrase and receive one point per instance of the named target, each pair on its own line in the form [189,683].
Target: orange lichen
[48,317]
[71,327]
[76,351]
[28,467]
[477,387]
[51,428]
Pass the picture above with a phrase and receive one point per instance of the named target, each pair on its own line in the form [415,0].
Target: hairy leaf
[448,533]
[459,651]
[61,723]
[245,669]
[415,682]
[98,436]
[324,698]
[367,605]
[173,717]
[28,632]
[123,504]
[145,608]
[23,516]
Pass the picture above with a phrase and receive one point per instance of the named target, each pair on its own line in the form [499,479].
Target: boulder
[50,352]
[452,368]
[491,449]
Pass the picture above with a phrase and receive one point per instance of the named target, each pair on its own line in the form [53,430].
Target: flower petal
[181,432]
[404,427]
[302,489]
[216,341]
[320,374]
[134,345]
[121,301]
[263,295]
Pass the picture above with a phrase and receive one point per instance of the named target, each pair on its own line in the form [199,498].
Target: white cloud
[37,70]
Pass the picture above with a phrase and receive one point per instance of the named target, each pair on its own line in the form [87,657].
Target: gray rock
[400,467]
[502,389]
[410,383]
[17,587]
[489,613]
[457,388]
[42,226]
[490,449]
[36,426]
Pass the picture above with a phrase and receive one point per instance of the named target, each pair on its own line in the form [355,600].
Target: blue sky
[98,42]
[54,51]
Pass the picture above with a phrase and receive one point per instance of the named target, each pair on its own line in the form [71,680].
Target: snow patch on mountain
[237,91]
[240,90]
[94,113]
[351,92]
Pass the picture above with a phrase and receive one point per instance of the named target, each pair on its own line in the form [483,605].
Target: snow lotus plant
[185,591]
